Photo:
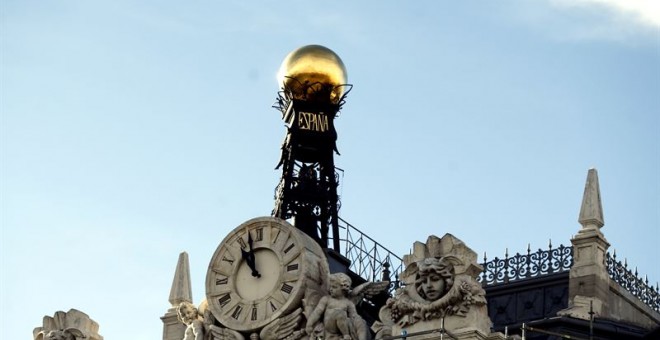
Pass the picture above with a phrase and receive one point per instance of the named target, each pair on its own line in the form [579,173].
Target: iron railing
[372,261]
[557,260]
[640,288]
[524,266]
[369,259]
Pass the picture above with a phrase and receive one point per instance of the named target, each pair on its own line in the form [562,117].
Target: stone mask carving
[438,282]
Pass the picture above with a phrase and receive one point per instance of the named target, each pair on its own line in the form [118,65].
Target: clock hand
[249,257]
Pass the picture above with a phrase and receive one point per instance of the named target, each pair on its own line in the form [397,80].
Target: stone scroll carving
[71,325]
[439,282]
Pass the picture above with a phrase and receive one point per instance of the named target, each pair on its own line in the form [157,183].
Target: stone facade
[438,294]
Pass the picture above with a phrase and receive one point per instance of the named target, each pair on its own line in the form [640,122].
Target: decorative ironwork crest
[524,266]
[640,288]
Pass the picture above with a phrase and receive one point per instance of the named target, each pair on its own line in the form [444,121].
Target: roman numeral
[242,243]
[224,258]
[288,248]
[254,313]
[221,281]
[260,234]
[277,235]
[272,306]
[237,312]
[224,300]
[286,288]
[292,267]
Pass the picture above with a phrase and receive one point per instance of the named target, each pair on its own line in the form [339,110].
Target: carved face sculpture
[340,285]
[434,278]
[335,290]
[187,313]
[433,286]
[60,335]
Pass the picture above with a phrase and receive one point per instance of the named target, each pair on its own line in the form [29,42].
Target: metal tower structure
[313,91]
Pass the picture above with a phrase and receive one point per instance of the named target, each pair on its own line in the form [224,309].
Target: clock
[261,271]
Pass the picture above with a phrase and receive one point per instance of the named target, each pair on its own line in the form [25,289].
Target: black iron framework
[640,288]
[524,266]
[307,191]
[369,259]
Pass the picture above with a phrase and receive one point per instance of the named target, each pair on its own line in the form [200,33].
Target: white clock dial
[249,284]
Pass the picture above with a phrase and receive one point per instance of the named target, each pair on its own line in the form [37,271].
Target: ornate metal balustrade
[524,266]
[557,260]
[369,259]
[632,282]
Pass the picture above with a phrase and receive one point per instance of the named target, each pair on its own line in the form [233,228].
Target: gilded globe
[313,64]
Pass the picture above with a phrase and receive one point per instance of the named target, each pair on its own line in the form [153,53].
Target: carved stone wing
[368,289]
[219,333]
[282,327]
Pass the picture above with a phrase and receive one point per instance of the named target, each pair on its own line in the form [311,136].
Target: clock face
[258,273]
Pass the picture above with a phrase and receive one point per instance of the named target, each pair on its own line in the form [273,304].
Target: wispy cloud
[644,12]
[628,22]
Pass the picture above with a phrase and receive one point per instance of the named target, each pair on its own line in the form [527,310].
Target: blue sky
[132,131]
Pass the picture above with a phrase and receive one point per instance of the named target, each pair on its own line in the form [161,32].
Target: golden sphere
[313,64]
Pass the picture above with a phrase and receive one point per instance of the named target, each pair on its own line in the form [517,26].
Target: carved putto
[201,325]
[336,314]
[189,315]
[439,282]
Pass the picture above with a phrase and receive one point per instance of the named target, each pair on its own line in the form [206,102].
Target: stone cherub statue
[189,315]
[200,324]
[336,312]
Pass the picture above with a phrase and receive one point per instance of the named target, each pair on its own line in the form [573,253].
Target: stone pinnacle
[591,212]
[181,289]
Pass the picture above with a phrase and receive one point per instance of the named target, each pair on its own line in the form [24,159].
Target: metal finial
[386,271]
